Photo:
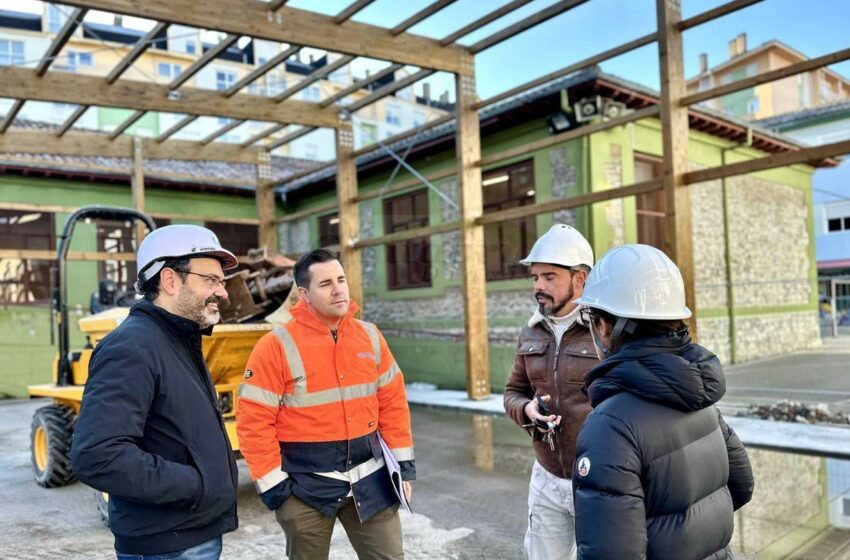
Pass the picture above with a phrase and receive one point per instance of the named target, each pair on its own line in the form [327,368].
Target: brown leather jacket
[542,368]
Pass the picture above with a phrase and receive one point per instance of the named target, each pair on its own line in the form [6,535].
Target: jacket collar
[304,314]
[538,318]
[178,324]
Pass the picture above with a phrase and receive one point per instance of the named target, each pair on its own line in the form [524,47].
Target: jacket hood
[302,313]
[670,370]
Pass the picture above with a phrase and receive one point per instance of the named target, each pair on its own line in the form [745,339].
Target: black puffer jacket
[658,472]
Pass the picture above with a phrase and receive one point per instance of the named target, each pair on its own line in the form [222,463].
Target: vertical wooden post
[349,214]
[468,146]
[674,132]
[264,195]
[137,187]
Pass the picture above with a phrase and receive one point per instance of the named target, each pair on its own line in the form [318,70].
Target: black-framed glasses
[211,280]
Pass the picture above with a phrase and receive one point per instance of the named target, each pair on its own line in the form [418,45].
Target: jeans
[210,550]
[551,533]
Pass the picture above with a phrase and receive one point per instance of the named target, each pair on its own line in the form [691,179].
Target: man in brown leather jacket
[555,352]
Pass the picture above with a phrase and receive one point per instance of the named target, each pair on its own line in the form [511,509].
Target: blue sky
[814,27]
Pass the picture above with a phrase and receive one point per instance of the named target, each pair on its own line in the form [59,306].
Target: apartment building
[96,48]
[810,89]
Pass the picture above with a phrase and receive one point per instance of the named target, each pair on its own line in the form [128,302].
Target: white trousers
[551,533]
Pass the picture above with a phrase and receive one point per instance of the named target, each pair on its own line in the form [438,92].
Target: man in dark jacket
[150,431]
[555,351]
[659,473]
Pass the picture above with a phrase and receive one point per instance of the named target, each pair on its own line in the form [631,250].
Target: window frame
[507,267]
[415,272]
[27,269]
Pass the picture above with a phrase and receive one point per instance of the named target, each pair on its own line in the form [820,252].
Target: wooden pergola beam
[128,122]
[678,241]
[388,89]
[11,115]
[527,23]
[138,50]
[177,127]
[309,212]
[773,75]
[28,207]
[569,69]
[314,77]
[71,24]
[277,59]
[482,21]
[715,13]
[303,131]
[263,134]
[349,215]
[408,234]
[784,159]
[291,26]
[222,131]
[78,89]
[205,59]
[357,86]
[72,118]
[349,11]
[421,15]
[93,144]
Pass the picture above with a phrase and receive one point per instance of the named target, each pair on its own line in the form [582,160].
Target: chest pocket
[580,358]
[535,354]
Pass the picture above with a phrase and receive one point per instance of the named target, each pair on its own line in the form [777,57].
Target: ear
[579,278]
[169,281]
[604,328]
[304,293]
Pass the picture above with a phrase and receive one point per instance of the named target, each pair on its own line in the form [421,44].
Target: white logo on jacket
[583,466]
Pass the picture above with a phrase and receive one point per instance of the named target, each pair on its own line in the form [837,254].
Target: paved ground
[463,511]
[813,376]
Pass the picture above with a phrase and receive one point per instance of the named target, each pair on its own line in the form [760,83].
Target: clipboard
[395,474]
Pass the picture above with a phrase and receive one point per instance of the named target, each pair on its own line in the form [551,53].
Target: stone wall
[369,255]
[769,253]
[294,237]
[563,178]
[452,265]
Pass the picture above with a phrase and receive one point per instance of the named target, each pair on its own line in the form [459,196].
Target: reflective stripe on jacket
[309,408]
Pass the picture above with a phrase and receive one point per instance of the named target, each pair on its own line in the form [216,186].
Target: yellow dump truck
[226,351]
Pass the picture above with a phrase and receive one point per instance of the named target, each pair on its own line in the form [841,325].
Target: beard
[194,308]
[549,306]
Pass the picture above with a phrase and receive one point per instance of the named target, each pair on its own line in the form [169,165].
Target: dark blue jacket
[658,473]
[151,435]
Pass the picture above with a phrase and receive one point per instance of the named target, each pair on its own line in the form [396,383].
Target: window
[275,84]
[117,237]
[649,207]
[75,60]
[505,243]
[236,238]
[408,262]
[167,70]
[841,223]
[329,230]
[368,134]
[753,106]
[392,114]
[312,93]
[224,79]
[11,53]
[190,47]
[25,281]
[804,89]
[418,118]
[55,18]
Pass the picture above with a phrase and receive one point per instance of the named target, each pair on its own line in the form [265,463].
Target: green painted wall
[25,347]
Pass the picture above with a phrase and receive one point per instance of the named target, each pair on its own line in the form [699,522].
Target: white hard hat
[636,282]
[183,240]
[562,245]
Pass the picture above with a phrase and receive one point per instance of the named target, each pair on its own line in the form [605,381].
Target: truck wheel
[50,437]
[102,501]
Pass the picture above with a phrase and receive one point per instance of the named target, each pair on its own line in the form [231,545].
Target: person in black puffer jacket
[658,472]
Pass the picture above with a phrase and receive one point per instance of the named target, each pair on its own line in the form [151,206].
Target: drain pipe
[727,253]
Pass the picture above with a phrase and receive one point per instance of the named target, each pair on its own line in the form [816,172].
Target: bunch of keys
[548,428]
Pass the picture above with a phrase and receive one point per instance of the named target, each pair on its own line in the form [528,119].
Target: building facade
[809,89]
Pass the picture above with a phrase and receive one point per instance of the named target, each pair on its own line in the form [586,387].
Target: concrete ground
[812,376]
[462,511]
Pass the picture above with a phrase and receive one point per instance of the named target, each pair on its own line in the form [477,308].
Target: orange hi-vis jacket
[309,409]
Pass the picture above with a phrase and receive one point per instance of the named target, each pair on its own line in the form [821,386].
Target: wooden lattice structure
[275,21]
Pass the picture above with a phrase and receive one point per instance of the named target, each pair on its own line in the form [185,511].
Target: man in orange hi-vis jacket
[318,394]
